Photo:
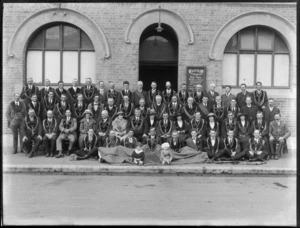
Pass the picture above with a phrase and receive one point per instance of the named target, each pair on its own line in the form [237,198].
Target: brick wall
[205,20]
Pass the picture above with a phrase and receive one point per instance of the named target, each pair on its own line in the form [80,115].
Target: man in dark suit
[50,133]
[233,108]
[227,97]
[151,94]
[159,107]
[183,95]
[88,91]
[259,97]
[232,149]
[126,107]
[168,93]
[28,90]
[257,150]
[73,91]
[190,109]
[205,107]
[45,91]
[198,94]
[112,93]
[15,115]
[270,111]
[103,128]
[165,126]
[199,125]
[175,143]
[111,109]
[174,108]
[137,123]
[195,142]
[48,103]
[35,105]
[59,91]
[138,94]
[96,108]
[241,97]
[211,94]
[214,146]
[102,93]
[60,108]
[250,110]
[126,91]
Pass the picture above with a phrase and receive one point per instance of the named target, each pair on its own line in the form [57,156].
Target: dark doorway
[158,57]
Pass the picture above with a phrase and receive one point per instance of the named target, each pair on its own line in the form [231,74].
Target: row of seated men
[242,128]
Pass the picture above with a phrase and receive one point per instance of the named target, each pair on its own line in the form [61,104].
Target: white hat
[165,145]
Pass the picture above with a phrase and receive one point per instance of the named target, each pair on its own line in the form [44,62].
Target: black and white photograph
[149,113]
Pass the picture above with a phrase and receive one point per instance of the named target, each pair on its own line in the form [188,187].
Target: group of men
[226,127]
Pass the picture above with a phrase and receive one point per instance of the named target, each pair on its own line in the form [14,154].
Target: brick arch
[18,43]
[182,28]
[274,21]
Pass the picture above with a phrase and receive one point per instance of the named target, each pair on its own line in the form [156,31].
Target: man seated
[257,150]
[151,122]
[78,108]
[183,95]
[261,125]
[232,150]
[190,109]
[50,132]
[199,124]
[143,107]
[229,124]
[103,128]
[159,107]
[85,124]
[112,140]
[152,140]
[243,131]
[182,127]
[36,106]
[278,132]
[165,127]
[119,125]
[96,107]
[130,141]
[174,142]
[67,128]
[195,142]
[111,109]
[126,107]
[90,147]
[32,131]
[214,146]
[137,124]
[212,124]
[174,108]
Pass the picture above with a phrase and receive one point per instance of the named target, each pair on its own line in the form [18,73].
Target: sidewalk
[19,163]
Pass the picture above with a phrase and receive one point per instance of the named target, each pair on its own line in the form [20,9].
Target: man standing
[205,107]
[50,132]
[74,91]
[270,111]
[102,93]
[233,108]
[126,107]
[168,93]
[174,108]
[250,110]
[260,97]
[227,97]
[138,94]
[211,94]
[15,115]
[35,105]
[278,132]
[137,125]
[88,91]
[67,128]
[126,91]
[241,97]
[32,131]
[111,109]
[45,91]
[198,94]
[151,94]
[48,103]
[28,90]
[60,108]
[79,106]
[59,91]
[159,107]
[112,93]
[96,107]
[183,95]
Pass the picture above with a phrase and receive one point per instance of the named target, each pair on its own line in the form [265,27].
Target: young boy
[165,154]
[138,155]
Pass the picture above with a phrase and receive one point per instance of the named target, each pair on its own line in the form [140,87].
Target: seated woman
[119,125]
[165,154]
[130,141]
[138,155]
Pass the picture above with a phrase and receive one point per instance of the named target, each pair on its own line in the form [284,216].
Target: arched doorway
[158,57]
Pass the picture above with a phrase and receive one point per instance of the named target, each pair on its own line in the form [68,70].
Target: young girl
[138,155]
[165,154]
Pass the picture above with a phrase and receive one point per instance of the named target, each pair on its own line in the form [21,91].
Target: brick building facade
[203,30]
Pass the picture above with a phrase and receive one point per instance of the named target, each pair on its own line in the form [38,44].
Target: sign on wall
[194,76]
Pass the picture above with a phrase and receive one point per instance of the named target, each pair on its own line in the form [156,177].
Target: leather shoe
[30,154]
[51,154]
[47,155]
[68,153]
[25,151]
[276,157]
[60,155]
[14,152]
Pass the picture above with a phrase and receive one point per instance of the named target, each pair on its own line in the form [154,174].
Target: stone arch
[182,28]
[18,43]
[274,21]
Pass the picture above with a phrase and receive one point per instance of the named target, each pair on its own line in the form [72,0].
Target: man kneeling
[257,150]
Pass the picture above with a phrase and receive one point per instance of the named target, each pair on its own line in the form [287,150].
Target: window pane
[246,68]
[265,39]
[232,44]
[37,41]
[87,66]
[280,44]
[86,42]
[229,69]
[281,70]
[264,69]
[70,66]
[34,66]
[247,39]
[70,38]
[52,38]
[52,65]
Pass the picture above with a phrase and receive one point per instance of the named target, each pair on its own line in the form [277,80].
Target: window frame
[256,51]
[61,49]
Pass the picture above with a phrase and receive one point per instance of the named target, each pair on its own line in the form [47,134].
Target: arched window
[60,52]
[256,53]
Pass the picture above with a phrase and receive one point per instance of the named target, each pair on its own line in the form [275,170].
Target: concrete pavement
[19,163]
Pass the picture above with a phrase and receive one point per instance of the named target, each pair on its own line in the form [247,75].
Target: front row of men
[239,138]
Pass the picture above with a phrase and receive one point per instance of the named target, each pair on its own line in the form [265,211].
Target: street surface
[149,200]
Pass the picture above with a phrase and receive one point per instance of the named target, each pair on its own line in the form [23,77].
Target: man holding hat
[85,124]
[195,142]
[260,97]
[32,131]
[111,140]
[67,128]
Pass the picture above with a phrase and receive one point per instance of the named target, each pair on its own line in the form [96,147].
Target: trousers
[28,143]
[62,136]
[15,127]
[49,143]
[86,154]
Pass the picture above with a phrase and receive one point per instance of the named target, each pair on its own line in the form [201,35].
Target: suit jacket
[71,125]
[44,93]
[204,110]
[235,110]
[263,127]
[78,111]
[148,124]
[37,109]
[216,128]
[88,95]
[189,112]
[210,149]
[59,111]
[73,94]
[85,126]
[269,115]
[226,100]
[165,129]
[198,146]
[47,105]
[167,97]
[198,99]
[128,112]
[15,113]
[159,109]
[279,131]
[27,93]
[31,128]
[212,98]
[260,99]
[111,112]
[138,126]
[245,130]
[144,111]
[151,96]
[227,126]
[199,126]
[251,112]
[219,113]
[184,129]
[129,94]
[241,99]
[136,96]
[103,127]
[175,145]
[96,113]
[174,111]
[255,147]
[183,98]
[50,127]
[233,146]
[115,95]
[58,94]
[102,96]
